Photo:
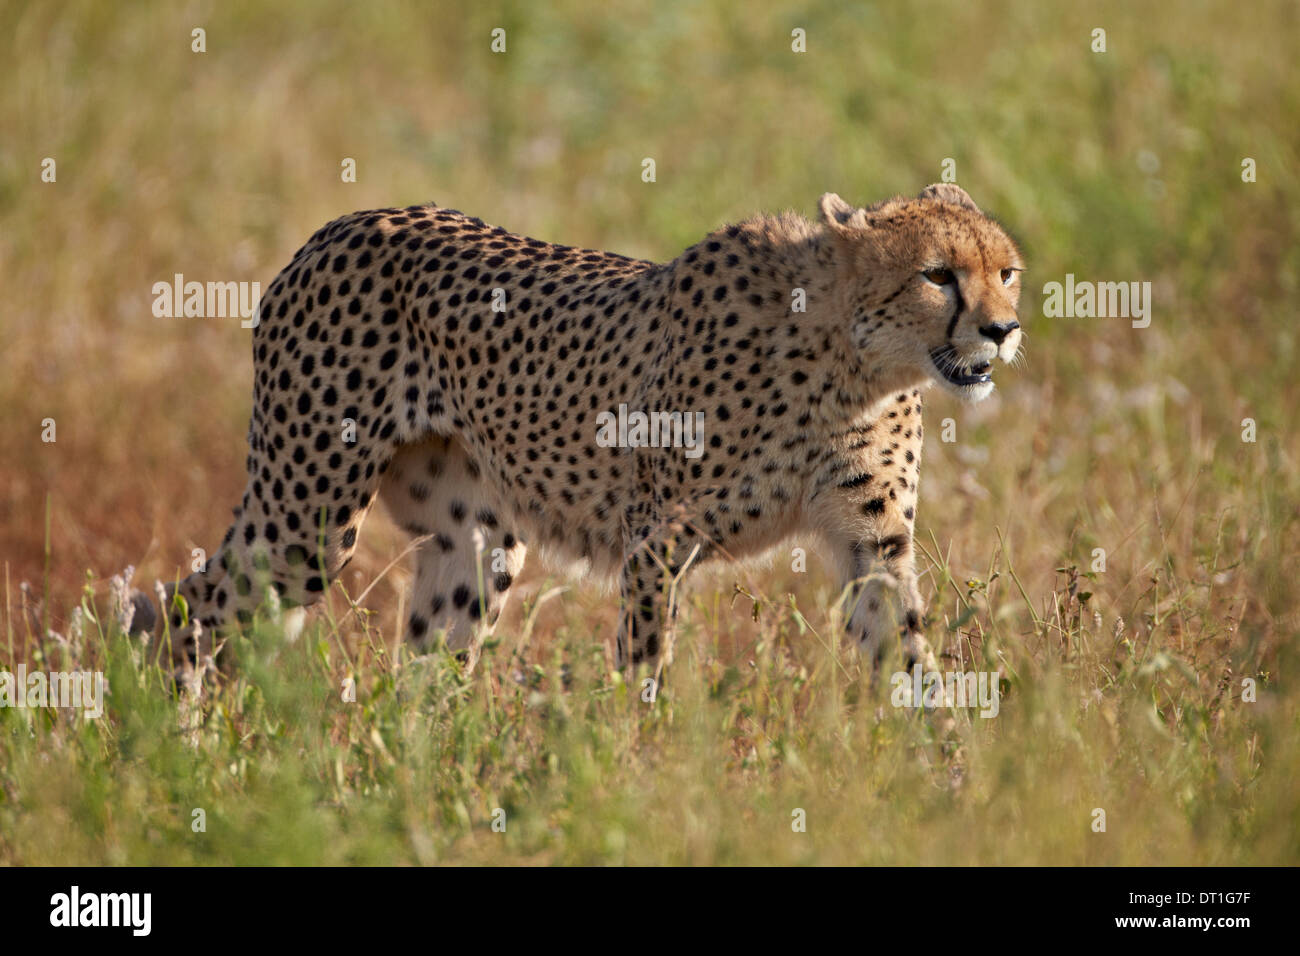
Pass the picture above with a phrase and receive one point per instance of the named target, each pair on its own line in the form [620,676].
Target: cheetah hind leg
[469,559]
[291,548]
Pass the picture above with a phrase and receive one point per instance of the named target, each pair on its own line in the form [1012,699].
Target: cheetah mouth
[953,370]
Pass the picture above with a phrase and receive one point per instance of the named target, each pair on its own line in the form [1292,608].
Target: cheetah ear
[949,192]
[840,216]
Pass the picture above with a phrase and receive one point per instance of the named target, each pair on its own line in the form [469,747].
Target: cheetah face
[933,286]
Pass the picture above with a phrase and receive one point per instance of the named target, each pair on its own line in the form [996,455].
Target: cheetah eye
[939,276]
[1008,275]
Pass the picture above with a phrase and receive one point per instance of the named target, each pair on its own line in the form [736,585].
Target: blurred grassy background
[1115,166]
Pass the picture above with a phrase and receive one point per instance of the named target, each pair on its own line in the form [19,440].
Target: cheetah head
[931,286]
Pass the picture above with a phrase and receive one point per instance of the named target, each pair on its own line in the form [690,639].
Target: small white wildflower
[120,604]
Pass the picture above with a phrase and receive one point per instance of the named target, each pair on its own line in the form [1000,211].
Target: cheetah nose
[997,331]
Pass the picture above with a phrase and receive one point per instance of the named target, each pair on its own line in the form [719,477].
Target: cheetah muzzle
[459,372]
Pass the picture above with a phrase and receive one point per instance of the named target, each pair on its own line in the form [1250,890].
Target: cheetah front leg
[653,569]
[884,601]
[648,613]
[871,545]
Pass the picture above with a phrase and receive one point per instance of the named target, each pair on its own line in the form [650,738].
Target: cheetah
[462,373]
